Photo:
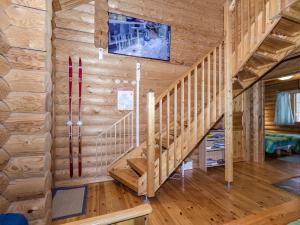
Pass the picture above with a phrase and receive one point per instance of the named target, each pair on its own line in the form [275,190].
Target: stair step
[237,85]
[275,44]
[287,27]
[247,75]
[293,13]
[259,61]
[127,177]
[138,164]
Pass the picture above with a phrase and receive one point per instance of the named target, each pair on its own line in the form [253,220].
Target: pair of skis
[70,122]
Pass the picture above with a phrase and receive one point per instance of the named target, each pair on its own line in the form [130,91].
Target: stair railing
[251,23]
[183,114]
[114,142]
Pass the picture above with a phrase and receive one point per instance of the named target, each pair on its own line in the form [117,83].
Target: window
[297,107]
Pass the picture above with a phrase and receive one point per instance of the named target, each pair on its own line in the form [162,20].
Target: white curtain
[283,110]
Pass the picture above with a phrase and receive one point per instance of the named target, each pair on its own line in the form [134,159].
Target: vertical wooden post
[175,124]
[160,140]
[228,96]
[168,130]
[247,123]
[202,119]
[220,80]
[258,123]
[182,117]
[214,113]
[150,143]
[208,115]
[196,103]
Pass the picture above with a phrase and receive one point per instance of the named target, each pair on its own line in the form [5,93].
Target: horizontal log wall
[271,90]
[25,109]
[194,33]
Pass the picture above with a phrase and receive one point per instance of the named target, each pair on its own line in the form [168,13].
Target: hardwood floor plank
[201,198]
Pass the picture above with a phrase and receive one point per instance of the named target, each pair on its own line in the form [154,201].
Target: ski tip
[80,64]
[70,60]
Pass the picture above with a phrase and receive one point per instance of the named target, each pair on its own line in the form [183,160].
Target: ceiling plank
[59,5]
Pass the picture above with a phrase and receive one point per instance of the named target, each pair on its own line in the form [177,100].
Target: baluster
[132,118]
[128,132]
[189,103]
[202,124]
[208,93]
[196,104]
[175,124]
[182,116]
[220,80]
[168,130]
[115,126]
[160,141]
[242,55]
[150,143]
[106,148]
[264,16]
[120,137]
[214,113]
[124,137]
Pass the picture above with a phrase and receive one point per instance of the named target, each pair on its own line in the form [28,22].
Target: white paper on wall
[125,100]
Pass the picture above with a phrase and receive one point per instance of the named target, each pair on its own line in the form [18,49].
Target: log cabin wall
[196,27]
[271,90]
[25,106]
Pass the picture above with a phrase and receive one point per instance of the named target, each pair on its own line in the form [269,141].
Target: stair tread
[127,177]
[293,13]
[259,61]
[246,75]
[275,44]
[287,27]
[138,164]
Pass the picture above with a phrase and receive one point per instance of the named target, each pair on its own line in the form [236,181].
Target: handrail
[116,217]
[122,133]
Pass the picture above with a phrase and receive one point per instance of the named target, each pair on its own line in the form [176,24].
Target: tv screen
[138,37]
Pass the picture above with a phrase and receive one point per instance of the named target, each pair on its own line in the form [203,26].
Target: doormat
[291,185]
[291,158]
[68,202]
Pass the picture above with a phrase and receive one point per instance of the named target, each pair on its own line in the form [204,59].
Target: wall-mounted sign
[125,99]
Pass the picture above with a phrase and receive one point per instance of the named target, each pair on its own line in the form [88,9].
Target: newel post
[150,143]
[228,115]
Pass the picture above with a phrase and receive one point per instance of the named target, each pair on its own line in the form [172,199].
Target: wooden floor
[202,199]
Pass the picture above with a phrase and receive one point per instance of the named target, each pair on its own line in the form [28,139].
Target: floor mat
[68,202]
[291,158]
[291,185]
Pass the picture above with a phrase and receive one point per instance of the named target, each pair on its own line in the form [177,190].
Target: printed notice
[125,100]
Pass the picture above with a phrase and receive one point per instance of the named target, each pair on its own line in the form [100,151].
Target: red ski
[79,123]
[70,123]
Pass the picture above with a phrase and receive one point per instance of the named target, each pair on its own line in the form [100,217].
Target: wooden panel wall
[271,90]
[194,33]
[25,106]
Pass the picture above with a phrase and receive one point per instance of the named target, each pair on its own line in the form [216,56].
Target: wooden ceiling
[67,4]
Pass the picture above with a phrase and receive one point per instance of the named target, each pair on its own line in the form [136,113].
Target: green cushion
[297,222]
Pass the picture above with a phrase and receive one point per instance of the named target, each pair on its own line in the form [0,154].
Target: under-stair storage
[215,148]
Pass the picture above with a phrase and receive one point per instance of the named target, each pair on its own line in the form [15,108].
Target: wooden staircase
[183,114]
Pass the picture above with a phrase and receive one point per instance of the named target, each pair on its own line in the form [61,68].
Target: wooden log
[31,81]
[22,189]
[3,135]
[4,204]
[4,21]
[4,181]
[4,158]
[23,102]
[32,209]
[27,59]
[26,17]
[61,175]
[4,44]
[43,221]
[4,66]
[27,167]
[4,88]
[22,145]
[4,111]
[27,38]
[25,123]
[36,4]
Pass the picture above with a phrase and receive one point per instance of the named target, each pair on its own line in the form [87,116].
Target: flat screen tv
[138,37]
